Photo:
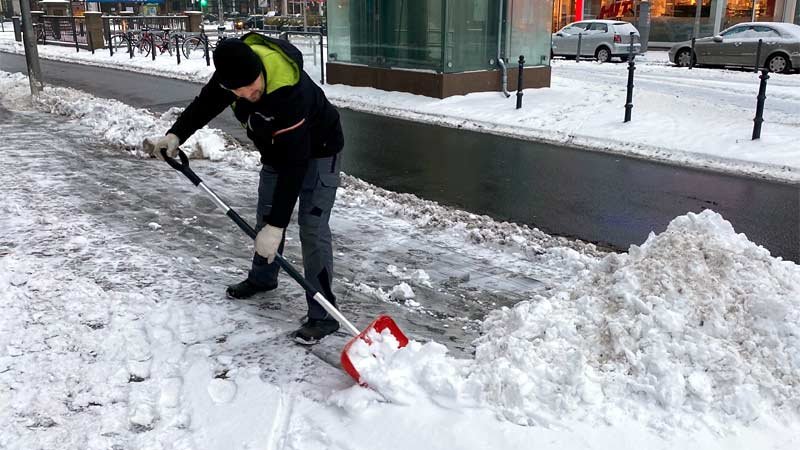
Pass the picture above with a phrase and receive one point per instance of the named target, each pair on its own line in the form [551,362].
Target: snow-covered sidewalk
[114,332]
[701,118]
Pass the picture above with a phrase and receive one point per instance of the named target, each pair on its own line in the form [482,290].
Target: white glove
[154,145]
[267,242]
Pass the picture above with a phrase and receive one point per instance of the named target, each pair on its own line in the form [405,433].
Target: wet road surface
[607,199]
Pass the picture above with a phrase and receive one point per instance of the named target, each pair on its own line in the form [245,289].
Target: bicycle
[194,47]
[125,41]
[38,30]
[150,40]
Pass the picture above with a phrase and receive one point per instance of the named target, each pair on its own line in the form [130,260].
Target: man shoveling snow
[299,135]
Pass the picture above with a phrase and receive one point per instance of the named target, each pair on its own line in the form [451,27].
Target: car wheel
[603,54]
[684,57]
[779,63]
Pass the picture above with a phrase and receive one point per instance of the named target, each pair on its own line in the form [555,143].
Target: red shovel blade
[379,324]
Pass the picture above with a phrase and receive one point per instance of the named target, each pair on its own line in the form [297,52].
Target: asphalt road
[607,199]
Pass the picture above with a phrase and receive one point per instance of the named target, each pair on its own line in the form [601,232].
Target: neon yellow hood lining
[281,70]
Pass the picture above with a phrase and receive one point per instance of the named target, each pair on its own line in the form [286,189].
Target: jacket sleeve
[294,142]
[213,99]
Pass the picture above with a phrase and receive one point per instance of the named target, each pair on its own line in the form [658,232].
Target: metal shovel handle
[183,167]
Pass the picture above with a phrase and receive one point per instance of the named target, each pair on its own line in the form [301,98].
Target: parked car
[255,21]
[210,18]
[238,20]
[600,39]
[737,46]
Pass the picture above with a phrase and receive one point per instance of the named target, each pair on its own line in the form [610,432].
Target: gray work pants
[317,196]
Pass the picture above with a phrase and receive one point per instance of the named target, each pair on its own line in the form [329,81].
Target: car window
[760,31]
[734,31]
[598,27]
[575,28]
[625,28]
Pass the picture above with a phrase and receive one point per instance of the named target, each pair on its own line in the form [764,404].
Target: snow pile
[696,327]
[120,124]
[696,323]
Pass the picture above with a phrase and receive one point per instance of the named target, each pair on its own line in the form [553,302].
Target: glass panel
[410,34]
[339,34]
[471,40]
[386,33]
[797,13]
[530,32]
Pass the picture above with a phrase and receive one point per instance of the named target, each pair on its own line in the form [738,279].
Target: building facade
[677,20]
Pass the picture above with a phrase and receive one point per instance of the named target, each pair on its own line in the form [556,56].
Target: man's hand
[267,242]
[153,146]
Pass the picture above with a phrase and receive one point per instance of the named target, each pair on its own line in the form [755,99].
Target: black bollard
[74,36]
[205,46]
[321,60]
[89,41]
[758,56]
[130,47]
[578,54]
[631,68]
[178,49]
[691,57]
[110,44]
[153,46]
[762,96]
[519,81]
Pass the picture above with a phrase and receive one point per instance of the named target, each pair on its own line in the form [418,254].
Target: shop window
[797,13]
[739,11]
[563,13]
[616,9]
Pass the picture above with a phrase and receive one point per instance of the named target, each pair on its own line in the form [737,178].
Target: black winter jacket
[291,123]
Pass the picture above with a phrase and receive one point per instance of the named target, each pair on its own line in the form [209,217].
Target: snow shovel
[380,324]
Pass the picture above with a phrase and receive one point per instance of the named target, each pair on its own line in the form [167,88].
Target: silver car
[737,46]
[600,39]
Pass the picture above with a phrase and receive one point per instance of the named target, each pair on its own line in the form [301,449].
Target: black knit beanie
[237,65]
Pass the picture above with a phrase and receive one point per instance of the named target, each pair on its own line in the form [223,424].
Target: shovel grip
[182,167]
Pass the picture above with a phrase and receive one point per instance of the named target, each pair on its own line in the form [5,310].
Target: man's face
[253,91]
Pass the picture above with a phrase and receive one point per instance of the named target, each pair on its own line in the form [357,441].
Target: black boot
[247,289]
[314,330]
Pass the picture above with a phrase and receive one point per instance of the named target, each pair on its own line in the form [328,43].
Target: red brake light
[617,39]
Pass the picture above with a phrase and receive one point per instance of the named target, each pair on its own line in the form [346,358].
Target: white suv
[600,39]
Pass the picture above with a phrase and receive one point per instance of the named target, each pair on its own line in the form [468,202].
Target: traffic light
[203,3]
